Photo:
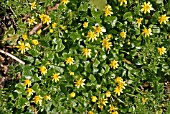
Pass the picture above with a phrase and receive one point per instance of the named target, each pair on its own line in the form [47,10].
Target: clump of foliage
[88,57]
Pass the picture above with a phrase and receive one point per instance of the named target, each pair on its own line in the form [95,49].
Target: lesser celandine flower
[102,101]
[55,77]
[93,98]
[80,82]
[161,50]
[122,2]
[114,64]
[27,82]
[43,70]
[54,25]
[38,100]
[35,42]
[108,10]
[85,24]
[106,44]
[65,1]
[39,32]
[69,60]
[109,36]
[33,5]
[118,79]
[98,29]
[112,109]
[72,94]
[90,112]
[47,97]
[23,46]
[144,100]
[123,34]
[118,90]
[45,19]
[163,19]
[51,30]
[147,32]
[30,91]
[91,35]
[31,21]
[146,7]
[24,37]
[71,73]
[139,21]
[108,93]
[86,52]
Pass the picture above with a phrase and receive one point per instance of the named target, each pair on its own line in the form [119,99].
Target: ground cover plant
[84,57]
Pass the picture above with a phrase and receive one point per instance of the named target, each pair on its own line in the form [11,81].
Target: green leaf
[59,47]
[100,4]
[92,78]
[96,63]
[22,101]
[83,6]
[128,16]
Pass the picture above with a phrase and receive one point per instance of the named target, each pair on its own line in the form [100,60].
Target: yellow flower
[106,44]
[147,32]
[45,19]
[72,94]
[35,42]
[54,25]
[100,106]
[47,97]
[69,61]
[144,100]
[85,24]
[51,30]
[38,100]
[43,70]
[71,73]
[163,19]
[30,91]
[86,52]
[118,80]
[23,47]
[114,64]
[108,93]
[109,36]
[65,1]
[31,21]
[146,7]
[80,82]
[121,85]
[122,1]
[115,112]
[63,27]
[112,108]
[108,10]
[90,112]
[39,32]
[139,21]
[27,82]
[92,36]
[123,34]
[93,98]
[102,101]
[33,5]
[56,77]
[24,36]
[98,29]
[161,50]
[118,90]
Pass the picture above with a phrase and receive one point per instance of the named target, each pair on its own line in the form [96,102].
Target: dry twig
[12,56]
